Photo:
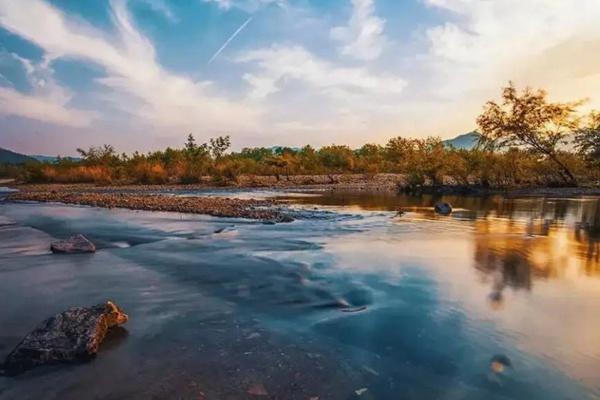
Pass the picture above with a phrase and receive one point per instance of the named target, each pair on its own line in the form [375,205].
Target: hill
[466,141]
[10,157]
[53,159]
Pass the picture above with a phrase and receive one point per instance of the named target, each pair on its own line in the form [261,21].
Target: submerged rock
[71,336]
[441,207]
[257,389]
[499,363]
[74,244]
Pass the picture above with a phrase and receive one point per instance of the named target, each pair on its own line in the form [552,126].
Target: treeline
[522,143]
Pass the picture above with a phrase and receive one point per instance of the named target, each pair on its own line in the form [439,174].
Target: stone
[74,244]
[257,389]
[499,363]
[441,207]
[72,336]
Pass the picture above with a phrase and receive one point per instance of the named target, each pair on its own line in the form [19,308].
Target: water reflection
[218,306]
[517,241]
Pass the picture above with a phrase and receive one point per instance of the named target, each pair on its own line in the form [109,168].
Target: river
[350,301]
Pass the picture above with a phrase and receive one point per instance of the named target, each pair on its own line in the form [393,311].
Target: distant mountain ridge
[11,157]
[466,141]
[53,159]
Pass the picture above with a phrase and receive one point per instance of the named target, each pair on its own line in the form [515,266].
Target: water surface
[351,296]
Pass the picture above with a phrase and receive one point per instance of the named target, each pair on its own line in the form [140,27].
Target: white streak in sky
[237,32]
[5,79]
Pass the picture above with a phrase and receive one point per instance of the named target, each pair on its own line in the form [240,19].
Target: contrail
[237,32]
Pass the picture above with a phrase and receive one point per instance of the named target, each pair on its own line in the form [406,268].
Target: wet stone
[74,244]
[71,336]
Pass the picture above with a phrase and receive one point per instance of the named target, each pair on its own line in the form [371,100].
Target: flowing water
[350,301]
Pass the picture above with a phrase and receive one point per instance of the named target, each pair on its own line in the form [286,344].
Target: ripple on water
[220,314]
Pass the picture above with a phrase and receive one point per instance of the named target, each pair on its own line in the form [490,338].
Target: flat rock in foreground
[74,244]
[71,336]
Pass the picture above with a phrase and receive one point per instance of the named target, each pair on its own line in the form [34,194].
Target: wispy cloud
[41,108]
[278,64]
[163,8]
[247,5]
[493,41]
[431,81]
[46,101]
[139,85]
[229,39]
[363,37]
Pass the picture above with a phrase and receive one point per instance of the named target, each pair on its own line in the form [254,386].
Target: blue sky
[141,74]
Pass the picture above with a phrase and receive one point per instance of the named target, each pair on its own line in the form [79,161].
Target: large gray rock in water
[71,336]
[74,244]
[441,207]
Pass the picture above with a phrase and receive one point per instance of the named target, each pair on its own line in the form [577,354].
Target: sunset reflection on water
[529,266]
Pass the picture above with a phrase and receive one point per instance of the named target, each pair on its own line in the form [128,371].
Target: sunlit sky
[142,74]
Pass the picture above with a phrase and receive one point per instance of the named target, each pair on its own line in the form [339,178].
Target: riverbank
[389,183]
[214,206]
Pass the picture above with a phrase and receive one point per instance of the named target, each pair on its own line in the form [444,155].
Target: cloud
[163,8]
[41,108]
[431,82]
[47,101]
[278,64]
[138,84]
[490,42]
[247,5]
[363,38]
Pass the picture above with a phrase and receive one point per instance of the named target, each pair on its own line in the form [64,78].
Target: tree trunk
[570,178]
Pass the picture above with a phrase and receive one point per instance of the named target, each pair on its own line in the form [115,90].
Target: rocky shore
[215,206]
[370,182]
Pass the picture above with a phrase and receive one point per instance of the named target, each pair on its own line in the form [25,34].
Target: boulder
[71,336]
[441,207]
[74,244]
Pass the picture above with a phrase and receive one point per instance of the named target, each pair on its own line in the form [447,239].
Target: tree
[96,155]
[587,140]
[219,145]
[190,144]
[528,120]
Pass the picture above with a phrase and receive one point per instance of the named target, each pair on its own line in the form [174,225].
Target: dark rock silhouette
[499,363]
[71,336]
[74,244]
[443,208]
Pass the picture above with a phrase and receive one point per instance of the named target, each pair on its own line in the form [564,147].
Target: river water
[350,301]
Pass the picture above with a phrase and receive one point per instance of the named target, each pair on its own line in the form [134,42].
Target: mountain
[469,140]
[466,141]
[10,157]
[53,159]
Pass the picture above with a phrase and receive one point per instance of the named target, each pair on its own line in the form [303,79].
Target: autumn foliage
[524,140]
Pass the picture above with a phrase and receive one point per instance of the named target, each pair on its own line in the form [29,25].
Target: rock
[74,244]
[499,363]
[257,389]
[71,336]
[441,207]
[284,218]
